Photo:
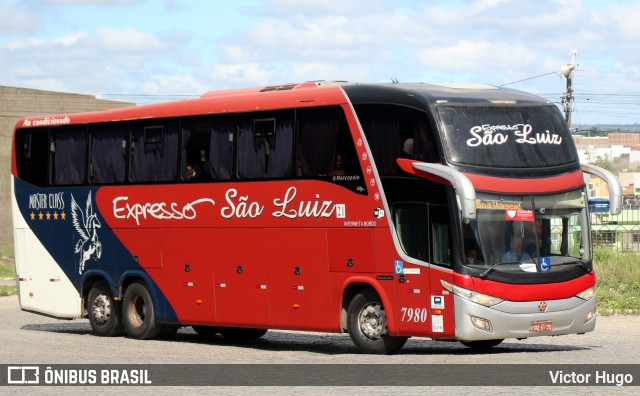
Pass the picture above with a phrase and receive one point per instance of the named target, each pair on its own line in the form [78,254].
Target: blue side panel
[68,223]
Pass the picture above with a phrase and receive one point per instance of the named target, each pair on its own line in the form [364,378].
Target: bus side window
[68,155]
[440,235]
[108,153]
[31,155]
[394,132]
[265,145]
[325,149]
[412,227]
[440,244]
[154,153]
[207,148]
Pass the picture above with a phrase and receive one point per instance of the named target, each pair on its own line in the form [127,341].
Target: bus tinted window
[396,132]
[108,152]
[423,231]
[31,155]
[154,151]
[507,137]
[68,155]
[207,148]
[411,221]
[265,145]
[325,148]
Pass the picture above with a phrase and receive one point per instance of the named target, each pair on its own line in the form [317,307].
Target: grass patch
[7,266]
[6,252]
[618,276]
[7,271]
[8,291]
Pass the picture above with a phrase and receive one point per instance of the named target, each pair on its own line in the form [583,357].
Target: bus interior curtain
[107,154]
[69,157]
[316,145]
[382,133]
[279,160]
[251,152]
[155,161]
[220,160]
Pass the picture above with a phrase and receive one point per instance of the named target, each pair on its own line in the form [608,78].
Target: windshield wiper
[580,263]
[485,273]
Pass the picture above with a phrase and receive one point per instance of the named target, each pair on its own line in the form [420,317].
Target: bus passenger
[515,253]
[192,173]
[338,167]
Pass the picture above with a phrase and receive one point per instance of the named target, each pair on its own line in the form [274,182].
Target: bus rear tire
[367,325]
[481,344]
[241,333]
[138,313]
[105,315]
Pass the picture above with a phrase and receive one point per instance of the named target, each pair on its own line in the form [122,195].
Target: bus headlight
[587,294]
[478,298]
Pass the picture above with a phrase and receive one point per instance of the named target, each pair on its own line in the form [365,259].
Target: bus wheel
[137,313]
[105,315]
[482,344]
[206,331]
[241,333]
[367,325]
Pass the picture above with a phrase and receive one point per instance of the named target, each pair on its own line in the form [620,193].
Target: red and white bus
[455,212]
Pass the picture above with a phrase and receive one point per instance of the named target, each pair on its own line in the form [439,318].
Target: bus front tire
[138,313]
[367,325]
[105,315]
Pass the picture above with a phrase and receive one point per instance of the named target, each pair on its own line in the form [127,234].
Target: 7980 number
[417,315]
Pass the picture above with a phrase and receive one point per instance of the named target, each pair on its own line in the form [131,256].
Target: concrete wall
[16,103]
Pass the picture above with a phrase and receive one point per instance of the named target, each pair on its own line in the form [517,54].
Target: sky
[147,51]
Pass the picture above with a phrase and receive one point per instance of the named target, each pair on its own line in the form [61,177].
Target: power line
[530,78]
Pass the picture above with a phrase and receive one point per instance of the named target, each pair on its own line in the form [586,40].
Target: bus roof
[312,93]
[431,94]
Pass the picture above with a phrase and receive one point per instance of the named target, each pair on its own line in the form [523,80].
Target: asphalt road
[33,339]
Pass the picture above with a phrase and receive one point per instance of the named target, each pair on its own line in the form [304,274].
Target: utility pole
[567,98]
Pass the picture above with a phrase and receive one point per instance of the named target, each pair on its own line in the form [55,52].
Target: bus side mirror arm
[465,191]
[615,189]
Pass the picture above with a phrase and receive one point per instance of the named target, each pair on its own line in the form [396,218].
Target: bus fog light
[590,315]
[482,324]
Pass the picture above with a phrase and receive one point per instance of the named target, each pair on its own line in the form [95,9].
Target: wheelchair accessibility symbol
[545,264]
[398,266]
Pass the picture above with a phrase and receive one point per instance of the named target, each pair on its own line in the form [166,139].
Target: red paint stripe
[529,185]
[520,292]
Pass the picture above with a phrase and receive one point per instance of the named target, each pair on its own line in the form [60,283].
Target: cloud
[129,41]
[173,84]
[108,60]
[17,20]
[239,74]
[92,2]
[478,56]
[180,46]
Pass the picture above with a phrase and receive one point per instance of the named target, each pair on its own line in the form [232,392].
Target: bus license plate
[540,326]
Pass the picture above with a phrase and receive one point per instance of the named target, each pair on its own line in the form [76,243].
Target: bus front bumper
[511,319]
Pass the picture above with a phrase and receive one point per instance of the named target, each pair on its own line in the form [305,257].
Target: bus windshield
[528,233]
[506,137]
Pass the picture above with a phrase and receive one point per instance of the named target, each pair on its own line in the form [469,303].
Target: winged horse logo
[86,224]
